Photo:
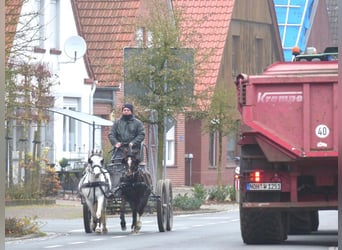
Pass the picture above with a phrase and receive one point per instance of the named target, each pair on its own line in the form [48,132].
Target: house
[240,31]
[324,29]
[306,23]
[47,37]
[246,36]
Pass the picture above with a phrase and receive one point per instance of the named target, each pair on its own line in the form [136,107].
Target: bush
[49,186]
[200,192]
[222,193]
[185,202]
[19,227]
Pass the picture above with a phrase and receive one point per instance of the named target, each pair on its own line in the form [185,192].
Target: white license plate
[264,186]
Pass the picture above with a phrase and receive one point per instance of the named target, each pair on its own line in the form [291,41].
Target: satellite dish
[75,47]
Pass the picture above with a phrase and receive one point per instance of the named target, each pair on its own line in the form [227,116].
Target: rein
[94,184]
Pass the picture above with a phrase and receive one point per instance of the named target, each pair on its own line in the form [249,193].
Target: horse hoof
[105,231]
[98,230]
[123,227]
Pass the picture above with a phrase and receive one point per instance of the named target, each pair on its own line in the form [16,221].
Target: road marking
[76,242]
[76,231]
[98,239]
[54,246]
[117,237]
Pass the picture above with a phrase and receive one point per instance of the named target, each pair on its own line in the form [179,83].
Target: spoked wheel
[86,218]
[169,199]
[161,206]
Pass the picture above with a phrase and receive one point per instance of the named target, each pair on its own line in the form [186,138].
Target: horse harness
[95,184]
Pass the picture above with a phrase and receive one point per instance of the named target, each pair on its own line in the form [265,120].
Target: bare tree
[27,98]
[27,88]
[22,30]
[159,74]
[221,119]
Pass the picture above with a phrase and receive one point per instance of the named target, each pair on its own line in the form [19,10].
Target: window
[236,56]
[144,38]
[170,147]
[140,37]
[70,127]
[259,59]
[212,149]
[54,24]
[40,7]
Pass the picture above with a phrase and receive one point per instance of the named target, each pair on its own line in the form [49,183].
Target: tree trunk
[160,165]
[219,167]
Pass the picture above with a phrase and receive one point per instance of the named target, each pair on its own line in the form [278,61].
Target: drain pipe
[91,110]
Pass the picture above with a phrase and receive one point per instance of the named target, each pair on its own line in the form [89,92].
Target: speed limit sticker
[322,131]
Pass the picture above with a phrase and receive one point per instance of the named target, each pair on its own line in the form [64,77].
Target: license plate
[264,186]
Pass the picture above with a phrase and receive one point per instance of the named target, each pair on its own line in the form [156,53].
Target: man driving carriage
[128,130]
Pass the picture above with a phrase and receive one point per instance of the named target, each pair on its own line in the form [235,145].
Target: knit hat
[128,106]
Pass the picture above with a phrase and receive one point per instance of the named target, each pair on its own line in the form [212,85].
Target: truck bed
[291,109]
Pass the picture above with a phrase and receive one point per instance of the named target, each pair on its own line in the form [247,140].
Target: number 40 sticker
[322,131]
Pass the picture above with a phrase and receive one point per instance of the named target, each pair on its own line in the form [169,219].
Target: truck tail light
[255,176]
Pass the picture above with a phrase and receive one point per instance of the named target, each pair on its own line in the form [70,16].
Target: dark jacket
[127,131]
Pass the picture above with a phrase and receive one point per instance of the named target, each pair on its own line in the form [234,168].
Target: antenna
[75,47]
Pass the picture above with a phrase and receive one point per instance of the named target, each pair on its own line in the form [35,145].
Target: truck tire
[300,222]
[314,221]
[261,227]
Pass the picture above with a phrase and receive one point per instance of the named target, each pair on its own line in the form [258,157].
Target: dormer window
[140,37]
[143,38]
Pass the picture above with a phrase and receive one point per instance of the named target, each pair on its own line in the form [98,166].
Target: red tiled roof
[107,27]
[210,20]
[12,13]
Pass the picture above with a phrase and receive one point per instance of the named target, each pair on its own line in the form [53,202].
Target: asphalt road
[219,230]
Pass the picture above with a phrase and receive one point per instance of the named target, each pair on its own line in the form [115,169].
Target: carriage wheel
[161,206]
[169,199]
[86,218]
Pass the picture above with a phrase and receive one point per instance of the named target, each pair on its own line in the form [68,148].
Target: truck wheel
[261,227]
[314,221]
[300,223]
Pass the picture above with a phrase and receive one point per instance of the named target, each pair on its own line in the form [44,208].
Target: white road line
[117,237]
[76,231]
[76,242]
[54,246]
[97,239]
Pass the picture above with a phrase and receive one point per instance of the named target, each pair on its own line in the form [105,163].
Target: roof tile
[108,27]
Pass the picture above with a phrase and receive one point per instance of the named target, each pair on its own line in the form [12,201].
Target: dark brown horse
[135,187]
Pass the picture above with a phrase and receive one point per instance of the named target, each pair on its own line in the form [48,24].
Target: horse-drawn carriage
[125,184]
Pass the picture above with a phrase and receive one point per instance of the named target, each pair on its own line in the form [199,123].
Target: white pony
[93,188]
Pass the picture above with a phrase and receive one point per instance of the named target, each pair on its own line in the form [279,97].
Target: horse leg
[122,214]
[91,206]
[134,220]
[140,211]
[103,218]
[100,202]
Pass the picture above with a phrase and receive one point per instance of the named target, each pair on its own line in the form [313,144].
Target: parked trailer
[289,141]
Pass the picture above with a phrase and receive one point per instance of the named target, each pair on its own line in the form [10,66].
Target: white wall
[58,25]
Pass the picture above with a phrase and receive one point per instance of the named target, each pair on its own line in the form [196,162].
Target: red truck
[289,149]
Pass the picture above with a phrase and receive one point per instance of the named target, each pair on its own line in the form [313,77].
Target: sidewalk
[69,206]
